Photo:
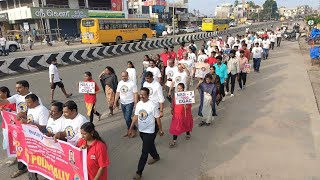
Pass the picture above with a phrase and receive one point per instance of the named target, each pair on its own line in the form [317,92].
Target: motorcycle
[70,39]
[289,36]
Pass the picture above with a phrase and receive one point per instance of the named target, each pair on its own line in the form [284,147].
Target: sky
[204,8]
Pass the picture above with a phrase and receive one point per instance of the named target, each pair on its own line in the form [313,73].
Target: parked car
[170,30]
[232,24]
[13,46]
[187,30]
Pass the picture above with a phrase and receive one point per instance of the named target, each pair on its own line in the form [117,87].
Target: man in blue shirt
[222,72]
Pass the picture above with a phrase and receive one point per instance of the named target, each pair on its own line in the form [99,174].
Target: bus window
[87,23]
[101,25]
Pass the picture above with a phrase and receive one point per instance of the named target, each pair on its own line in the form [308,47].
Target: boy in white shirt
[257,52]
[155,71]
[266,46]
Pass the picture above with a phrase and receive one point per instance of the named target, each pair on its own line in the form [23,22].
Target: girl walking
[91,99]
[182,120]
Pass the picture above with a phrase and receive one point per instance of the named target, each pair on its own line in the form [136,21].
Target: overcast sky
[207,6]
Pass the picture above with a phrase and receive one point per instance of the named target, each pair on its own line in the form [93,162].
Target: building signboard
[101,14]
[51,13]
[155,3]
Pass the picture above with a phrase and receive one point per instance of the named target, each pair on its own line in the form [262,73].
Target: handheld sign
[186,97]
[202,69]
[87,88]
[247,68]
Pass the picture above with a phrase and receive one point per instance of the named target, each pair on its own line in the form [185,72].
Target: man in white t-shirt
[3,42]
[149,123]
[257,52]
[37,115]
[182,76]
[72,124]
[170,72]
[266,46]
[128,94]
[155,71]
[56,119]
[55,79]
[273,39]
[156,94]
[279,37]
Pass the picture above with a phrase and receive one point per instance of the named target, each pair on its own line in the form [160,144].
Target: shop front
[4,23]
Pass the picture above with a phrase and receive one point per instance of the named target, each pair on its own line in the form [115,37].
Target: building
[223,11]
[304,10]
[290,13]
[282,10]
[55,17]
[156,10]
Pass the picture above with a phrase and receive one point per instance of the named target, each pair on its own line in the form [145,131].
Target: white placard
[186,97]
[87,88]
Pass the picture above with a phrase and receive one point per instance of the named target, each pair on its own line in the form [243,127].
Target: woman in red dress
[182,120]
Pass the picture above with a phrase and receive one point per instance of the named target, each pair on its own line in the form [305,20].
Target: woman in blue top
[222,72]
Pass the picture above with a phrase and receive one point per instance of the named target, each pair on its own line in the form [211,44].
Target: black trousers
[92,113]
[272,45]
[278,41]
[148,147]
[242,79]
[233,82]
[223,94]
[21,166]
[175,137]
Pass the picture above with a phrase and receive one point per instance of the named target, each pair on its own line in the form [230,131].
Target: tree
[270,10]
[236,3]
[251,4]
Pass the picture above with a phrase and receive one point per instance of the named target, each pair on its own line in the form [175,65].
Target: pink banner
[42,155]
[10,122]
[116,5]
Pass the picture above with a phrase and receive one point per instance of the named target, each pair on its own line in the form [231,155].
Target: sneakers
[226,93]
[202,123]
[244,87]
[223,99]
[152,161]
[232,95]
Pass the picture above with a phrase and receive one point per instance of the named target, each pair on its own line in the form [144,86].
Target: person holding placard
[182,120]
[243,74]
[91,99]
[207,108]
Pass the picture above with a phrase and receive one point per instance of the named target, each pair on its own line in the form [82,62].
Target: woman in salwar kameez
[207,108]
[109,82]
[182,121]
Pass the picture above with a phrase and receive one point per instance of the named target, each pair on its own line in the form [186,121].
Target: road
[268,131]
[60,47]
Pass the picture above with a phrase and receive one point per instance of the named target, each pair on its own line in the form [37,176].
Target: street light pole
[173,23]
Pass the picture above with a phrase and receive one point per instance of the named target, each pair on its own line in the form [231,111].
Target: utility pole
[173,22]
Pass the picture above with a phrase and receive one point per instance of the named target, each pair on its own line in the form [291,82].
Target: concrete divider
[41,62]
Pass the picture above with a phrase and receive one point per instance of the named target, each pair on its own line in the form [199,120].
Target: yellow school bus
[114,30]
[211,24]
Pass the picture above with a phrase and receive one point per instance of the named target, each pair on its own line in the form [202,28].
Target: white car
[188,30]
[12,46]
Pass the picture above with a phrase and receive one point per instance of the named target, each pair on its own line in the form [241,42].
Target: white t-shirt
[127,90]
[132,74]
[258,40]
[20,101]
[146,112]
[188,63]
[3,41]
[257,52]
[72,128]
[236,44]
[155,89]
[180,77]
[38,115]
[55,126]
[202,57]
[156,73]
[278,33]
[230,40]
[170,72]
[192,56]
[273,38]
[266,44]
[54,70]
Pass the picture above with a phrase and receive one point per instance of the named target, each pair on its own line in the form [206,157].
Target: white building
[223,11]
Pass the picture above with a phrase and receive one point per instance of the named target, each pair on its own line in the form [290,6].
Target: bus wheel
[225,28]
[105,44]
[118,40]
[144,37]
[217,30]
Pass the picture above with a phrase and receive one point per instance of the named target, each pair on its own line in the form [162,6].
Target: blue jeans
[256,64]
[127,110]
[265,53]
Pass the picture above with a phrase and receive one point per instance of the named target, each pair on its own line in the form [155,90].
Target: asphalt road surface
[268,131]
[61,46]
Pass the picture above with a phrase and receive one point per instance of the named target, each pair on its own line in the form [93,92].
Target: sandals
[19,173]
[202,123]
[188,137]
[172,145]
